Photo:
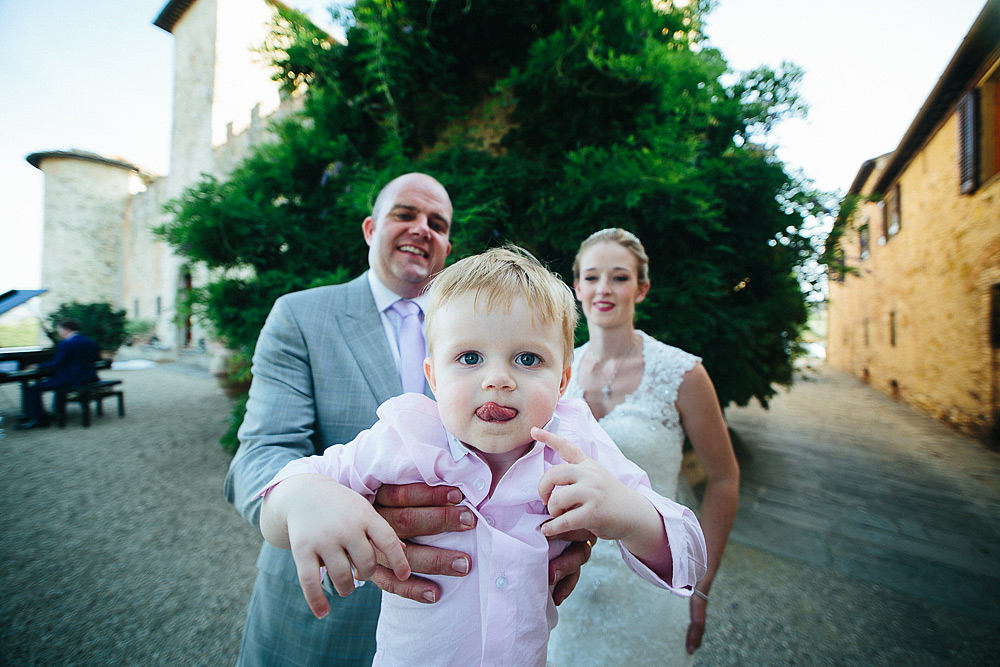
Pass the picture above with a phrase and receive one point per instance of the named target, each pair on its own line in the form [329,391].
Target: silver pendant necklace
[607,387]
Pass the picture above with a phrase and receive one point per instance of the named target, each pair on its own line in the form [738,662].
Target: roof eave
[175,9]
[172,13]
[35,159]
[979,45]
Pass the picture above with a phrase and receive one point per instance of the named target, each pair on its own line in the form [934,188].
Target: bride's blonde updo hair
[625,239]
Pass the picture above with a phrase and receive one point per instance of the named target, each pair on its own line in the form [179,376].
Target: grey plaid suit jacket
[321,368]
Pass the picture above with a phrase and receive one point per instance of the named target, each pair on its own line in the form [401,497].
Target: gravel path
[118,548]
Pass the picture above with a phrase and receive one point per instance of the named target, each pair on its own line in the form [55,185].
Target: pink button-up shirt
[502,611]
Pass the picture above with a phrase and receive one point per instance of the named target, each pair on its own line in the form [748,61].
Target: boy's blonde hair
[500,275]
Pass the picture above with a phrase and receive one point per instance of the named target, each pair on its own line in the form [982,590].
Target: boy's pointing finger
[569,452]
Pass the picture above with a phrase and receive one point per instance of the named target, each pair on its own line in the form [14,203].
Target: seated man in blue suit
[73,365]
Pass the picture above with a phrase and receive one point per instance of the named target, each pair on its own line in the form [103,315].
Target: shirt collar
[385,297]
[458,450]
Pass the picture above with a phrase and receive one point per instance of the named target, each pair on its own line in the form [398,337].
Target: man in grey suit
[325,360]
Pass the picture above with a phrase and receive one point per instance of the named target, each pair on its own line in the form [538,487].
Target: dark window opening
[968,141]
[995,317]
[188,286]
[895,213]
[883,231]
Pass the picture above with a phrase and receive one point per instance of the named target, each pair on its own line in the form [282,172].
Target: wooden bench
[96,392]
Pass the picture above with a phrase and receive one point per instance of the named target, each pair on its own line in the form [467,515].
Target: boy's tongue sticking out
[491,412]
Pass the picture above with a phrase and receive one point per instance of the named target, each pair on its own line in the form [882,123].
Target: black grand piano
[14,360]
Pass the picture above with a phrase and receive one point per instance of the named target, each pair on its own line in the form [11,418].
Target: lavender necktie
[412,348]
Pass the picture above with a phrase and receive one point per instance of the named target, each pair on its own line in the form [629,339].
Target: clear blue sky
[97,76]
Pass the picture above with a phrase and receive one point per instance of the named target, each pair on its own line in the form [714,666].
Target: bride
[647,396]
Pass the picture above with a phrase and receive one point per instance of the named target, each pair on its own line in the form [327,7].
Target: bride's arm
[704,425]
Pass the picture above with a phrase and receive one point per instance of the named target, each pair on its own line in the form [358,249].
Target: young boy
[500,341]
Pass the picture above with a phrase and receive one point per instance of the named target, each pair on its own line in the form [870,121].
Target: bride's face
[608,285]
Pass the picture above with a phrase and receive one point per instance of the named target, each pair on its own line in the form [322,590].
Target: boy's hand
[581,494]
[326,524]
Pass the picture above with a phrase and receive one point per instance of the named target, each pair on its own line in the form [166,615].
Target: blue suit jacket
[74,362]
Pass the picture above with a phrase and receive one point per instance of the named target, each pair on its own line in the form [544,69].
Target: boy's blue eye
[528,359]
[470,358]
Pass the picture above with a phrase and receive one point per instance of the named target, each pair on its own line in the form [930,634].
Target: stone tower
[87,197]
[100,212]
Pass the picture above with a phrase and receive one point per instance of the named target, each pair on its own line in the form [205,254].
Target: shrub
[97,320]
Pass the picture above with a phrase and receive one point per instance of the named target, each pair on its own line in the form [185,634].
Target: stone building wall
[224,99]
[914,318]
[143,258]
[194,83]
[86,199]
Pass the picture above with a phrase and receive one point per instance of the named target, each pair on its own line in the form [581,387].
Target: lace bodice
[613,617]
[646,426]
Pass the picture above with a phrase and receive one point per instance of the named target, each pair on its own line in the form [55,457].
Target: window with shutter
[995,108]
[968,141]
[995,317]
[895,211]
[989,126]
[883,227]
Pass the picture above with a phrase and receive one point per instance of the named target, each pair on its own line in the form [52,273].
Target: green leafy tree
[99,321]
[546,121]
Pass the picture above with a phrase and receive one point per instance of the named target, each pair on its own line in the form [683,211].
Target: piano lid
[15,297]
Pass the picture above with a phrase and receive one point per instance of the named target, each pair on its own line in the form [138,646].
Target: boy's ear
[563,381]
[429,374]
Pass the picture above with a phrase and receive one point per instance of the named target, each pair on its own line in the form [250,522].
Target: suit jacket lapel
[364,334]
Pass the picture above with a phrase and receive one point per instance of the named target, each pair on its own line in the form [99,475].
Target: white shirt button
[490,520]
[502,582]
[480,484]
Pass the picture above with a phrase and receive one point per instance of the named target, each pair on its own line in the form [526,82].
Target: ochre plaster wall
[933,278]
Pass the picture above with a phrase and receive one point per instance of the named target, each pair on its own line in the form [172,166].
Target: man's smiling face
[409,239]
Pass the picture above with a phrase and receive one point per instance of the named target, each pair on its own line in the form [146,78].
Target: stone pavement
[846,478]
[866,535]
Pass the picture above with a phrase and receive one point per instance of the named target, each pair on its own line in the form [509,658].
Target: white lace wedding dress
[614,617]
